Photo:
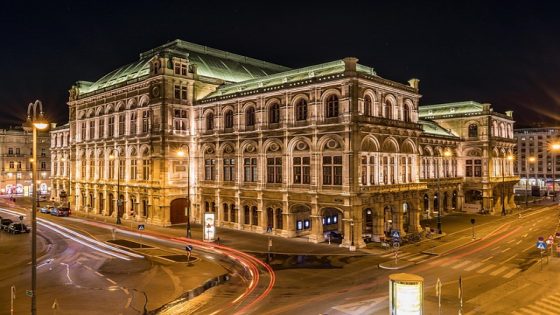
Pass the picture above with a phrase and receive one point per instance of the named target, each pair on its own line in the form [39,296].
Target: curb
[191,294]
[391,266]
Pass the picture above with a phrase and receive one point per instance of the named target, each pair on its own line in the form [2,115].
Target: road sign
[188,248]
[541,245]
[29,293]
[395,234]
[141,227]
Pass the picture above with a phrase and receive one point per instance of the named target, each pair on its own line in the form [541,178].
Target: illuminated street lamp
[186,155]
[555,147]
[119,201]
[531,160]
[509,158]
[35,121]
[446,153]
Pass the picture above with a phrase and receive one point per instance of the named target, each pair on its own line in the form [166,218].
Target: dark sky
[502,52]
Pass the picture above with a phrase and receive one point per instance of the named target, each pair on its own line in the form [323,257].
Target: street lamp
[182,153]
[35,121]
[555,147]
[352,233]
[509,158]
[530,159]
[446,153]
[119,201]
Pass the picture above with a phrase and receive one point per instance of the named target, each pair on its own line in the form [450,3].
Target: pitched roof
[455,108]
[431,128]
[210,62]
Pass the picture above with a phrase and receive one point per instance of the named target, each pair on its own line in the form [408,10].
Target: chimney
[486,107]
[414,83]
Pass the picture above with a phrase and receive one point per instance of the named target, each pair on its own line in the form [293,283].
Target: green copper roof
[432,128]
[301,74]
[457,108]
[210,62]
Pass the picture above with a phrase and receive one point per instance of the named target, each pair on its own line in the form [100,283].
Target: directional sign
[29,293]
[141,227]
[395,234]
[188,248]
[541,245]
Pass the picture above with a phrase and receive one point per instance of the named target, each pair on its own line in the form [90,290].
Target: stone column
[316,235]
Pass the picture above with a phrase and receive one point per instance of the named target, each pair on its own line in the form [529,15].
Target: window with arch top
[250,116]
[406,113]
[228,119]
[301,110]
[274,113]
[388,109]
[210,121]
[368,106]
[473,131]
[332,106]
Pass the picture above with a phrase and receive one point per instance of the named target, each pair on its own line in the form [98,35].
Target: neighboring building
[299,152]
[486,152]
[15,152]
[60,164]
[537,143]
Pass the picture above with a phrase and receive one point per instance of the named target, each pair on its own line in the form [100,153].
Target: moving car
[60,212]
[17,228]
[4,223]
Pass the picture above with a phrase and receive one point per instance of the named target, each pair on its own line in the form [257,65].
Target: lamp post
[352,233]
[446,153]
[509,158]
[119,201]
[555,147]
[528,160]
[35,121]
[182,153]
[69,194]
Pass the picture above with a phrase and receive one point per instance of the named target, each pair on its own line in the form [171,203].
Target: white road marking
[99,274]
[473,266]
[466,262]
[113,282]
[498,271]
[505,250]
[525,235]
[505,261]
[518,242]
[512,273]
[487,259]
[483,270]
[416,258]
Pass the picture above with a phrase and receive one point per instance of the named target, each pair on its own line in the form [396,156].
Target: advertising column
[209,227]
[406,294]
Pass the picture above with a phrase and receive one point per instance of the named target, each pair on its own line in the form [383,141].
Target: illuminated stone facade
[15,153]
[292,152]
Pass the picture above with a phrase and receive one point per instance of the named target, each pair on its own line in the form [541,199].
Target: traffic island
[395,265]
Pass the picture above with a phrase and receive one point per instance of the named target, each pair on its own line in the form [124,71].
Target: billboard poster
[209,227]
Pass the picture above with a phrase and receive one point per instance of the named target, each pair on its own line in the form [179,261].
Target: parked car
[42,197]
[17,228]
[334,236]
[4,223]
[46,209]
[60,212]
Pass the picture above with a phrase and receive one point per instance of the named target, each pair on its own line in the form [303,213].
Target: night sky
[502,52]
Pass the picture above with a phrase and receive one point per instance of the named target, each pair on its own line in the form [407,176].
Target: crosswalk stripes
[512,273]
[483,270]
[498,271]
[459,265]
[473,266]
[548,305]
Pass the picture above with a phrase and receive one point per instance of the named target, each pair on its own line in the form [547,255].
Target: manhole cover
[129,244]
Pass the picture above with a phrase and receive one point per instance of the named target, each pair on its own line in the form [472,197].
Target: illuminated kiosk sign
[209,227]
[406,294]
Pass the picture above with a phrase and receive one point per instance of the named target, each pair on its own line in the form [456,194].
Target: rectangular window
[145,121]
[101,128]
[19,166]
[10,151]
[91,129]
[372,172]
[146,169]
[364,170]
[332,170]
[229,170]
[177,90]
[111,126]
[43,152]
[209,173]
[133,123]
[250,166]
[469,168]
[477,168]
[121,125]
[121,169]
[83,130]
[17,152]
[91,167]
[274,170]
[302,170]
[111,169]
[133,169]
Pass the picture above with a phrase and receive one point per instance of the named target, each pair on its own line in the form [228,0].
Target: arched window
[367,105]
[228,119]
[332,106]
[274,113]
[250,116]
[210,121]
[388,109]
[473,131]
[301,110]
[406,113]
